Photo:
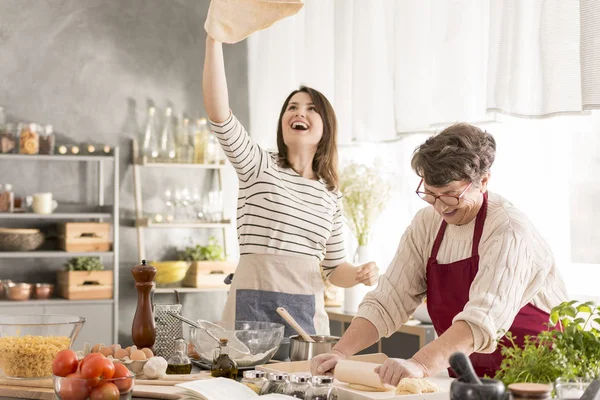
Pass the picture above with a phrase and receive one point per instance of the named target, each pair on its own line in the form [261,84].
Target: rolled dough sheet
[358,373]
[230,21]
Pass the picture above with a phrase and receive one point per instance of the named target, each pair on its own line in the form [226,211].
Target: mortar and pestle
[468,386]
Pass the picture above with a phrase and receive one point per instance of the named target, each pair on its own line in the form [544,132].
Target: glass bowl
[261,338]
[74,388]
[29,343]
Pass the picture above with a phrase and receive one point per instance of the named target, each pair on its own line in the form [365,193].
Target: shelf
[52,302]
[148,223]
[54,157]
[191,289]
[67,211]
[142,163]
[52,254]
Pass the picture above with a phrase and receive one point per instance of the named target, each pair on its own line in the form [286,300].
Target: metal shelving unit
[100,212]
[143,222]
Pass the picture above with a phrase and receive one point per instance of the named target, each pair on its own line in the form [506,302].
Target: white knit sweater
[516,266]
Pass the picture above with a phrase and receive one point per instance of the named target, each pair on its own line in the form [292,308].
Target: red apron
[448,288]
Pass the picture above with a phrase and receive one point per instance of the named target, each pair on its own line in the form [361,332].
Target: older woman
[479,262]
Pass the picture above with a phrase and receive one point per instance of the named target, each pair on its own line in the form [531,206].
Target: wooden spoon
[290,320]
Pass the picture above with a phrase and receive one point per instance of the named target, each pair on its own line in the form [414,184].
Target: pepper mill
[143,329]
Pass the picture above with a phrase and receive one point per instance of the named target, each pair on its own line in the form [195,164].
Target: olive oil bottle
[223,366]
[179,363]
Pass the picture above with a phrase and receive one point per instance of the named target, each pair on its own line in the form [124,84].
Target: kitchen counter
[410,338]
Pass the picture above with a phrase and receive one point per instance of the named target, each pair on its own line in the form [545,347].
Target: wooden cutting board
[153,389]
[139,391]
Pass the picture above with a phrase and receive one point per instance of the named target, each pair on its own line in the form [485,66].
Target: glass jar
[298,386]
[277,383]
[570,388]
[47,140]
[530,391]
[255,380]
[29,138]
[322,389]
[9,134]
[179,363]
[200,138]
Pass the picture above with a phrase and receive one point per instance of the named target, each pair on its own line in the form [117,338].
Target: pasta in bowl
[29,343]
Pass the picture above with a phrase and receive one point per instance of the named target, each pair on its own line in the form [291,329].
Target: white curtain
[391,67]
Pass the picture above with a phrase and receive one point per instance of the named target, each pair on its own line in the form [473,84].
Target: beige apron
[263,282]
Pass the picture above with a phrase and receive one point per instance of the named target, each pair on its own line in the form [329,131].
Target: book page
[217,389]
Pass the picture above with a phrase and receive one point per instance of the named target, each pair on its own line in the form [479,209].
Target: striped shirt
[278,211]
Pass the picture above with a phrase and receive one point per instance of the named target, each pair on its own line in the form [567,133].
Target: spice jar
[277,383]
[7,199]
[527,391]
[322,389]
[179,363]
[255,380]
[29,138]
[47,140]
[298,386]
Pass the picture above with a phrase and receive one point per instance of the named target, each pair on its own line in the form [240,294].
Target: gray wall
[77,64]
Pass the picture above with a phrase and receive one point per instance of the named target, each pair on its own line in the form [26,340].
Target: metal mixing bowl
[261,338]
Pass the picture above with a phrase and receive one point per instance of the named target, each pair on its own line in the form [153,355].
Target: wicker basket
[20,239]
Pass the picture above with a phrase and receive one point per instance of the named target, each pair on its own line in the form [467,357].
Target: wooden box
[84,236]
[208,274]
[85,285]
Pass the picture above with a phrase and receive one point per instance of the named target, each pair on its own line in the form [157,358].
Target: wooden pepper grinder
[143,329]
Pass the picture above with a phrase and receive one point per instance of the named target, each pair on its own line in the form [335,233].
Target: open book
[223,389]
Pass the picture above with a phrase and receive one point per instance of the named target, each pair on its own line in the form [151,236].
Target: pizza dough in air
[230,21]
[416,386]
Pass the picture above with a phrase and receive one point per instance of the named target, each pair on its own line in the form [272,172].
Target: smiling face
[469,203]
[301,123]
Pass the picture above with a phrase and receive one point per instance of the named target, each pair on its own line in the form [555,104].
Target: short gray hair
[461,152]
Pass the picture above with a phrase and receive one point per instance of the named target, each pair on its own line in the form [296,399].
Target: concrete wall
[77,64]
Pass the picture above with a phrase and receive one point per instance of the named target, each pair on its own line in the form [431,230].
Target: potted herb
[571,352]
[85,278]
[208,267]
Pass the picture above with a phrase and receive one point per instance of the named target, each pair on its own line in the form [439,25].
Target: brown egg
[96,347]
[128,348]
[106,351]
[121,353]
[137,355]
[148,352]
[115,347]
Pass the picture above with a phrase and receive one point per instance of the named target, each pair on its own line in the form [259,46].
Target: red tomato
[97,368]
[87,358]
[108,391]
[65,363]
[121,371]
[73,387]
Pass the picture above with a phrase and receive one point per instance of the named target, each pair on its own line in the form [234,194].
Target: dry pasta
[30,356]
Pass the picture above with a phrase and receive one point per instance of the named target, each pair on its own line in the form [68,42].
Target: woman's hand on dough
[367,274]
[395,369]
[324,364]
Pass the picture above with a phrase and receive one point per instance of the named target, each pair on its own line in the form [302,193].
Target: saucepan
[304,347]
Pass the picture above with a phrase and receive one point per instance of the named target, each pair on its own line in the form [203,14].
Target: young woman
[289,210]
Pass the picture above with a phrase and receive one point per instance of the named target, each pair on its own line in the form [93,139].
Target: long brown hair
[325,163]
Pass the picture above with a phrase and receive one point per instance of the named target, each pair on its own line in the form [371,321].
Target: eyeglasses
[444,198]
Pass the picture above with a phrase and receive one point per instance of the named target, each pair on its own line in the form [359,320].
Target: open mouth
[299,126]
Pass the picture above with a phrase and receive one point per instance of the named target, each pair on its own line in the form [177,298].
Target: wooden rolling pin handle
[290,320]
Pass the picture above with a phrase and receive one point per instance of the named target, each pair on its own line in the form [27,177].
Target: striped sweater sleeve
[335,251]
[244,154]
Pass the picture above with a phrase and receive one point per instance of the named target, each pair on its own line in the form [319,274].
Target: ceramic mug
[42,203]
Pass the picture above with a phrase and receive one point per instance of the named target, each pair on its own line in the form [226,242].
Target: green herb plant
[84,264]
[213,251]
[572,351]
